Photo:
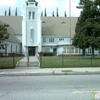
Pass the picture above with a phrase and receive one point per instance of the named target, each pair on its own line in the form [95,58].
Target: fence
[9,60]
[61,61]
[65,61]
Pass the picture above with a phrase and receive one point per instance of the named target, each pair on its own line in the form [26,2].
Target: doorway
[31,51]
[54,51]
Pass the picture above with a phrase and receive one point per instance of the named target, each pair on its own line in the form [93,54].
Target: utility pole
[70,26]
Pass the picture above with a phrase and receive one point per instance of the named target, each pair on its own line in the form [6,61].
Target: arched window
[33,15]
[31,34]
[29,15]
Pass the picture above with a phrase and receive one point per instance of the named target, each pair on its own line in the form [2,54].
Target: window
[64,50]
[61,39]
[68,49]
[33,15]
[44,39]
[11,47]
[31,34]
[76,50]
[51,39]
[89,51]
[31,3]
[26,4]
[80,51]
[16,48]
[72,49]
[47,49]
[29,15]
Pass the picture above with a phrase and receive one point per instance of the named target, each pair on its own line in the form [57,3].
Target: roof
[15,22]
[58,26]
[51,26]
[11,36]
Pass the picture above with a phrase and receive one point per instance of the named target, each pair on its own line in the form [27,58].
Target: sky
[50,5]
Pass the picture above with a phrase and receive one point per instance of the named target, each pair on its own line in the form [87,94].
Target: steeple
[32,2]
[31,28]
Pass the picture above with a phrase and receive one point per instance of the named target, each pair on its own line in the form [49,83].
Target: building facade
[33,33]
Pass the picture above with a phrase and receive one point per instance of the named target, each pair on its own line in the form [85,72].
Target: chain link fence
[9,60]
[66,61]
[47,60]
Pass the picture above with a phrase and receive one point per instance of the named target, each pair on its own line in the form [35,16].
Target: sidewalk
[34,71]
[33,61]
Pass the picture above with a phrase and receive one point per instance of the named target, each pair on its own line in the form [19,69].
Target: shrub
[46,54]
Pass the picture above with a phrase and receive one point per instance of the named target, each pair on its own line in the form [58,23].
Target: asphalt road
[69,87]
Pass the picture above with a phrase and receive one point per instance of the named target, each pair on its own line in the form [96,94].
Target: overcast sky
[50,5]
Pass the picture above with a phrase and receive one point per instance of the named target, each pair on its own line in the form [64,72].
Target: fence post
[28,59]
[91,60]
[13,59]
[62,59]
[40,59]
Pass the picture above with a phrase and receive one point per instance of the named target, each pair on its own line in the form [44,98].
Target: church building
[33,33]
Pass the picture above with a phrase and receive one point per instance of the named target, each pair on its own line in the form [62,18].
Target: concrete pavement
[34,71]
[32,61]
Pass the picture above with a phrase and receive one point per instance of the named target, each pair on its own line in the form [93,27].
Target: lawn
[67,61]
[7,62]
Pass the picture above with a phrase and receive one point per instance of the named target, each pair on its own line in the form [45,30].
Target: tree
[16,12]
[53,14]
[65,14]
[3,34]
[9,13]
[57,12]
[45,14]
[5,13]
[42,13]
[88,25]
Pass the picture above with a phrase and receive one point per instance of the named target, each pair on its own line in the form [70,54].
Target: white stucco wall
[28,39]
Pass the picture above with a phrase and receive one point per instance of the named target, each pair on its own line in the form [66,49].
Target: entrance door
[54,51]
[31,51]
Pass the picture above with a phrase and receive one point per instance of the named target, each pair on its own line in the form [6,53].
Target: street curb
[26,74]
[83,73]
[46,74]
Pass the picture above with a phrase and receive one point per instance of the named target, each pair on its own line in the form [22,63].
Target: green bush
[46,54]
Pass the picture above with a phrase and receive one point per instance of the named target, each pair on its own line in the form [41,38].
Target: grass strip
[7,62]
[69,62]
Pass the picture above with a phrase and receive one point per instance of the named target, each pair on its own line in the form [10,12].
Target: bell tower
[31,28]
